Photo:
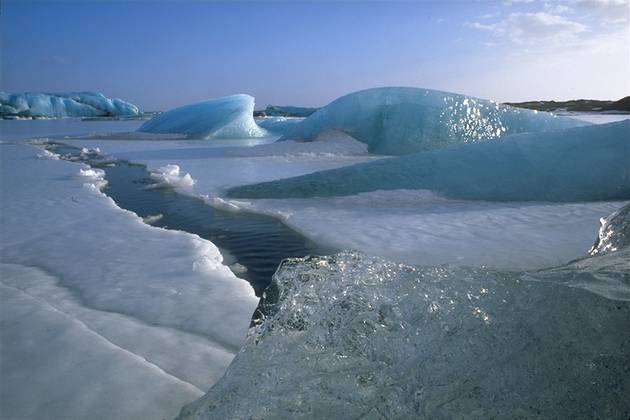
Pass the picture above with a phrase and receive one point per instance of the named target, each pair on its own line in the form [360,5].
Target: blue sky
[161,54]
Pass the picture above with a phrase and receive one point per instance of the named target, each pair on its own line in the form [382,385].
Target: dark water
[257,242]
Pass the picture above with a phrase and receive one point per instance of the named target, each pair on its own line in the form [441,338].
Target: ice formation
[576,164]
[227,117]
[352,336]
[399,120]
[279,125]
[614,232]
[60,105]
[170,175]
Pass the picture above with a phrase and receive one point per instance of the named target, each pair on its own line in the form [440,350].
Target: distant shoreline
[577,105]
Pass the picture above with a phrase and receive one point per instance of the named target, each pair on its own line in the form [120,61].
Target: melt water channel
[256,242]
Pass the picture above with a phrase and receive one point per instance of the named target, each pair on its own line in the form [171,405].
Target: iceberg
[577,164]
[353,336]
[279,125]
[402,120]
[228,117]
[62,105]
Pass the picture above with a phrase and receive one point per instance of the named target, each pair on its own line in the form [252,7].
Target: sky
[163,54]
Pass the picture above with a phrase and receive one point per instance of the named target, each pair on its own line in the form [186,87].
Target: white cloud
[524,28]
[611,11]
[556,8]
[511,2]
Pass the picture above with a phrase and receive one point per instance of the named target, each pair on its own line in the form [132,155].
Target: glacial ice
[227,117]
[352,336]
[60,105]
[402,120]
[614,232]
[576,164]
[279,125]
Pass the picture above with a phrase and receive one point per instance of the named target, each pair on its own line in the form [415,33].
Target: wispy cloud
[610,11]
[524,28]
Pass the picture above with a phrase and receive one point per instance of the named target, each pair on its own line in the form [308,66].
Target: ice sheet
[125,297]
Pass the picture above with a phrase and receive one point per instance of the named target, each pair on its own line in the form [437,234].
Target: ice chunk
[279,125]
[170,175]
[350,336]
[577,164]
[401,120]
[614,232]
[227,117]
[60,105]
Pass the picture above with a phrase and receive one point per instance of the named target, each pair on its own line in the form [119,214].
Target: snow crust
[60,105]
[227,117]
[577,164]
[402,120]
[100,305]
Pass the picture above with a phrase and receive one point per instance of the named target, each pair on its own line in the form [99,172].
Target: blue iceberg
[576,164]
[279,125]
[227,117]
[62,105]
[402,120]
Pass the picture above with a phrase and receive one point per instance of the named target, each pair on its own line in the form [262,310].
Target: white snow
[97,306]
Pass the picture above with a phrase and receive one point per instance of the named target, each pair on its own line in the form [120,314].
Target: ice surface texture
[576,164]
[60,105]
[227,117]
[614,232]
[402,120]
[279,125]
[352,336]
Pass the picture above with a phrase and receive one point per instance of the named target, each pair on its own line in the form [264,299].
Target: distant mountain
[576,105]
[622,104]
[285,111]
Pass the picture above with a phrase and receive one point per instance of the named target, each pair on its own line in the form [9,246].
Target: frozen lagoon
[497,235]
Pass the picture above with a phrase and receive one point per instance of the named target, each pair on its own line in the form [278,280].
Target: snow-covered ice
[401,120]
[227,117]
[61,105]
[97,306]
